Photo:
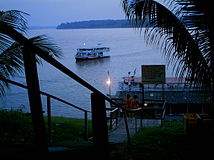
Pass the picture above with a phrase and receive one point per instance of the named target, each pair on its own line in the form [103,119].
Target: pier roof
[168,79]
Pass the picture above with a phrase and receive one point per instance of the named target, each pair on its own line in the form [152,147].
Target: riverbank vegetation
[16,128]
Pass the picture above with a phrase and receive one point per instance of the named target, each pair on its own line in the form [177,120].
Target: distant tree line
[96,24]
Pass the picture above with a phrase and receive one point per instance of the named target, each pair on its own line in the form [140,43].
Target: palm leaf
[169,32]
[15,19]
[44,43]
[198,17]
[11,60]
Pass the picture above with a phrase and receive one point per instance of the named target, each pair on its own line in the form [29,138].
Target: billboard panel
[153,74]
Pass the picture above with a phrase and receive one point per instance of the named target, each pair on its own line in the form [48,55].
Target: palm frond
[47,45]
[169,32]
[5,42]
[15,19]
[198,17]
[11,59]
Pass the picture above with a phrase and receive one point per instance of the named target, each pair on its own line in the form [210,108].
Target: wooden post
[143,96]
[163,94]
[86,125]
[99,125]
[35,100]
[127,127]
[49,117]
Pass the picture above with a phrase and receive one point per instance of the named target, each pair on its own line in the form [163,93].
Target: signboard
[153,74]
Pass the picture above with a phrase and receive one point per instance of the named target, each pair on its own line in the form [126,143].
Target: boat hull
[89,58]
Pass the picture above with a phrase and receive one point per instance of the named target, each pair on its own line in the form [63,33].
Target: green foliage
[156,143]
[16,128]
[68,129]
[152,143]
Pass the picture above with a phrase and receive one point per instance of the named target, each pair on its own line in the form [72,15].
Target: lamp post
[108,82]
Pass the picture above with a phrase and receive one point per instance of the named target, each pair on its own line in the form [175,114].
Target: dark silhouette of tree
[184,30]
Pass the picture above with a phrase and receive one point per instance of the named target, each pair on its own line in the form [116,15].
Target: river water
[128,51]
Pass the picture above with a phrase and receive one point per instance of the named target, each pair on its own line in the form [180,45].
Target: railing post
[49,117]
[99,125]
[35,100]
[127,127]
[143,94]
[86,125]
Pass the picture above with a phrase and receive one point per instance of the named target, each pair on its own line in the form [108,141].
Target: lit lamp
[108,82]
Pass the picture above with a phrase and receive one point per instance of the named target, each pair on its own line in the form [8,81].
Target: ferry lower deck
[176,102]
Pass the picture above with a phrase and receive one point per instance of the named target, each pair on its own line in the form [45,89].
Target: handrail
[155,100]
[112,110]
[44,93]
[49,107]
[164,113]
[111,117]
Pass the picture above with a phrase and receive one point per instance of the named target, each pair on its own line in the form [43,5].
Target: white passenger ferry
[92,53]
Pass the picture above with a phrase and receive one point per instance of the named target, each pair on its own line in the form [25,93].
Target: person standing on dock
[128,101]
[135,102]
[128,105]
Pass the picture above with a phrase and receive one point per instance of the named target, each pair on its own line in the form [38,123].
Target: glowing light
[108,82]
[145,104]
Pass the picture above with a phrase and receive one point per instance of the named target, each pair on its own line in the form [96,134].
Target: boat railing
[105,49]
[123,86]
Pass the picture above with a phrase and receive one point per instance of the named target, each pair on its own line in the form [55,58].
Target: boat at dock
[180,96]
[133,83]
[92,53]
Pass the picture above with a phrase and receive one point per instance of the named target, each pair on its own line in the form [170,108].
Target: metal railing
[113,117]
[49,96]
[155,110]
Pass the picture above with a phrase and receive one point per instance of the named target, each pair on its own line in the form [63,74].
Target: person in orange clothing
[135,102]
[128,105]
[128,101]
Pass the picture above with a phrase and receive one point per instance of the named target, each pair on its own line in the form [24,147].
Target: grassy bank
[157,143]
[16,128]
[166,143]
[68,129]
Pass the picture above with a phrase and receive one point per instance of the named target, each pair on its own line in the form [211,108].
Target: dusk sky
[54,12]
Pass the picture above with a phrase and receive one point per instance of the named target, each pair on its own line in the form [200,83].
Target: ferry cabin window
[91,54]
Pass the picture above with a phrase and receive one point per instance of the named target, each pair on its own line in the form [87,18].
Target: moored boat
[133,83]
[92,53]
